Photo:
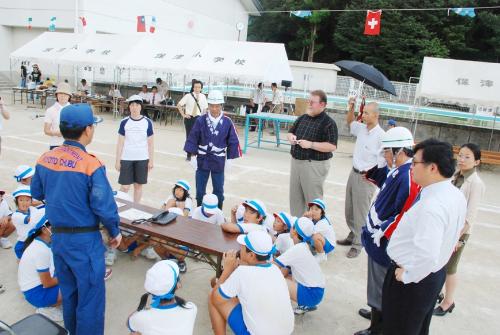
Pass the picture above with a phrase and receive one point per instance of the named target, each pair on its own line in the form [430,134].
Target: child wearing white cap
[21,218]
[282,225]
[180,198]
[209,210]
[242,301]
[35,274]
[168,313]
[253,218]
[6,226]
[307,285]
[23,174]
[324,235]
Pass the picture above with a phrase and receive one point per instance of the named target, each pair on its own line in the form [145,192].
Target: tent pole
[10,68]
[58,77]
[184,84]
[492,129]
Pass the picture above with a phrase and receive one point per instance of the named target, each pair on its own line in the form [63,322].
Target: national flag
[30,21]
[141,24]
[152,27]
[83,20]
[301,13]
[463,11]
[372,22]
[52,25]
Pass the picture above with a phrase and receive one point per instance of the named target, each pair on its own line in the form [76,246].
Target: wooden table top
[203,236]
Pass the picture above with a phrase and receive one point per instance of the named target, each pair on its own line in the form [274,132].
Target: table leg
[277,127]
[247,123]
[259,134]
[218,270]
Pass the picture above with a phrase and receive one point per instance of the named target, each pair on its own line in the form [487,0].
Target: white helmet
[215,97]
[397,137]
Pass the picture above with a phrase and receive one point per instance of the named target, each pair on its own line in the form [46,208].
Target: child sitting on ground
[282,225]
[307,285]
[253,218]
[6,226]
[21,218]
[323,239]
[23,176]
[168,314]
[209,210]
[36,270]
[239,217]
[180,198]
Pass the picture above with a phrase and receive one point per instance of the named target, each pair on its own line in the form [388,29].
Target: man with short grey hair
[366,155]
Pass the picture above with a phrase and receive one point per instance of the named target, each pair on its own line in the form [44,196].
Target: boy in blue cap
[78,197]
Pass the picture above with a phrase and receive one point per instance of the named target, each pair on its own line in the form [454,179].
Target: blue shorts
[19,249]
[236,322]
[309,296]
[42,297]
[328,247]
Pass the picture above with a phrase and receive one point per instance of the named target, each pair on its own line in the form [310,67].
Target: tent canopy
[168,52]
[460,81]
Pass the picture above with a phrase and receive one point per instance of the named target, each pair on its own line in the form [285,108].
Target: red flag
[84,22]
[141,24]
[372,23]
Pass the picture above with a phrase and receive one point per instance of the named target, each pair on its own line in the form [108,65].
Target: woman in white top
[51,125]
[191,106]
[167,314]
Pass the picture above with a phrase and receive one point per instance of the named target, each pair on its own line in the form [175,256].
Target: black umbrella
[367,73]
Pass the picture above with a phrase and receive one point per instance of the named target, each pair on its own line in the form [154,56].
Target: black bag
[162,218]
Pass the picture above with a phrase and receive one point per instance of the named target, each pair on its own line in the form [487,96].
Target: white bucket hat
[259,242]
[161,279]
[23,172]
[135,98]
[215,97]
[63,88]
[210,203]
[184,184]
[22,190]
[304,227]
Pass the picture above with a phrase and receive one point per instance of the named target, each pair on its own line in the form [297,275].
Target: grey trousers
[376,276]
[306,183]
[358,198]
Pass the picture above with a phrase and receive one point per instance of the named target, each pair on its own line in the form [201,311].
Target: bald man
[366,155]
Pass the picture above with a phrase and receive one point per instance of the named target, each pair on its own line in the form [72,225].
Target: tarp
[47,47]
[460,81]
[173,53]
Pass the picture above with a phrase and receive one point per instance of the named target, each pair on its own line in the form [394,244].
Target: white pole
[75,29]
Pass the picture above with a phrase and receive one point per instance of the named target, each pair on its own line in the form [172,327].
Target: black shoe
[367,314]
[182,266]
[375,324]
[439,311]
[344,242]
[440,297]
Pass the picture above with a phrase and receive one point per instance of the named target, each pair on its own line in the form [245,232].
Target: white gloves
[194,162]
[376,236]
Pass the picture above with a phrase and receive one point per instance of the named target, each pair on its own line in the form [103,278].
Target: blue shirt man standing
[78,197]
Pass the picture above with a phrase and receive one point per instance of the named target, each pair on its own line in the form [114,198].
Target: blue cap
[78,116]
[391,122]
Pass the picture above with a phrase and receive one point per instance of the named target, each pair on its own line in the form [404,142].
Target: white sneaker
[53,313]
[110,257]
[320,257]
[5,243]
[150,253]
[108,274]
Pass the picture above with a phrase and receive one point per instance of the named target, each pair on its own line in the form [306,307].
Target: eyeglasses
[413,163]
[313,102]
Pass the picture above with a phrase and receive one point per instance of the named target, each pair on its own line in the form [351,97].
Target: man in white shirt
[251,295]
[84,88]
[366,155]
[423,242]
[257,101]
[162,87]
[144,94]
[277,99]
[51,120]
[155,100]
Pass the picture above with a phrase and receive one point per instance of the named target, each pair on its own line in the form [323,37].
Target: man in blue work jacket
[78,197]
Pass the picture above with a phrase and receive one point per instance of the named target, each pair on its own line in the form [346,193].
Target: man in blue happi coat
[214,142]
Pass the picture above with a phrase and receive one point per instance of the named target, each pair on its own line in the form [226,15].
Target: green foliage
[406,36]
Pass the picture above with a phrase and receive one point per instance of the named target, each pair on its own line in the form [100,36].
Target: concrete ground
[259,174]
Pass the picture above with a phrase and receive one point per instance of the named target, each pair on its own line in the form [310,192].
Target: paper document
[135,214]
[119,204]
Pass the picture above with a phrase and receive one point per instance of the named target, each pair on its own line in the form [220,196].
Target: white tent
[460,81]
[173,53]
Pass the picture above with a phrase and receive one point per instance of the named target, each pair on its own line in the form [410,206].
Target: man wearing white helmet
[213,140]
[397,193]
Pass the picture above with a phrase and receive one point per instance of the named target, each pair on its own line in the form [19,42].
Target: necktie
[153,102]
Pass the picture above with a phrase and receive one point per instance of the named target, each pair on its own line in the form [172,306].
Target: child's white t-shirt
[305,268]
[136,133]
[52,117]
[325,228]
[217,218]
[22,227]
[172,320]
[283,242]
[36,258]
[4,209]
[188,204]
[245,228]
[267,309]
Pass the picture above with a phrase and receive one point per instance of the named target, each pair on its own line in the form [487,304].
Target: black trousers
[188,124]
[407,308]
[252,110]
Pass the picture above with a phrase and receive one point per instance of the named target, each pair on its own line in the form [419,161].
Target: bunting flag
[372,22]
[30,21]
[463,11]
[301,13]
[52,25]
[83,20]
[141,24]
[146,23]
[152,27]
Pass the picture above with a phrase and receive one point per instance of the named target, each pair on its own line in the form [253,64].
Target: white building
[216,19]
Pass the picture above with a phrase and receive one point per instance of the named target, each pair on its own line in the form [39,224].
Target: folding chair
[33,324]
